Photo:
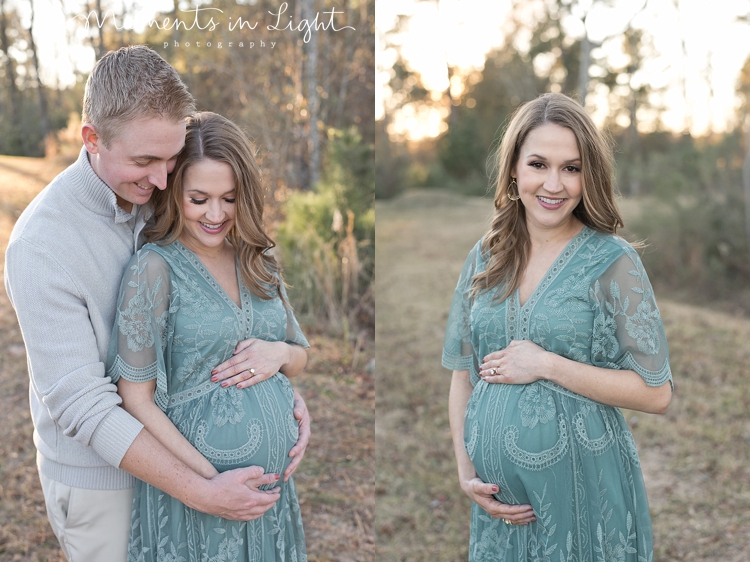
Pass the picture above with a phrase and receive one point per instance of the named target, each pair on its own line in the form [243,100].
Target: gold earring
[510,187]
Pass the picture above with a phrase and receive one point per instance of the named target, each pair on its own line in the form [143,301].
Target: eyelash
[537,166]
[202,201]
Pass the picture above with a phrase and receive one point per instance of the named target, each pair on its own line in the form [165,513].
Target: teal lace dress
[175,324]
[572,459]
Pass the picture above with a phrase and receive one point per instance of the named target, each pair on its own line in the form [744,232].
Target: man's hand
[298,451]
[234,494]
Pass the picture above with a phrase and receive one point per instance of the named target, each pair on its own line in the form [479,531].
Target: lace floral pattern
[135,321]
[572,459]
[175,323]
[536,405]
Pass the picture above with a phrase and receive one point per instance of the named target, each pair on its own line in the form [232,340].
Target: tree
[311,79]
[40,88]
[743,90]
[282,99]
[10,80]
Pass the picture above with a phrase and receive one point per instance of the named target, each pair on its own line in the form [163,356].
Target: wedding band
[508,521]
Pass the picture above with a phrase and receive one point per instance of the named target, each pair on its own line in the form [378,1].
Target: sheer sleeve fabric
[628,330]
[458,352]
[137,347]
[294,333]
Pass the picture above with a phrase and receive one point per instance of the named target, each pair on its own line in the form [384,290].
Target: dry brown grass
[696,458]
[335,481]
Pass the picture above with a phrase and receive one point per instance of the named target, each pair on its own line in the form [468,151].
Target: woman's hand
[522,362]
[481,494]
[254,361]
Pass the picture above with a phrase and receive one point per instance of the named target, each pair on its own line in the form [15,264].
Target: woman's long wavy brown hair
[210,136]
[507,244]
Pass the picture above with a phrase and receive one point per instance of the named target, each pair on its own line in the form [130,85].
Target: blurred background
[306,100]
[669,80]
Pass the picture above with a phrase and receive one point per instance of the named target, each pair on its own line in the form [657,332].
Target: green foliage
[460,151]
[327,239]
[475,183]
[264,89]
[696,246]
[694,219]
[390,164]
[22,134]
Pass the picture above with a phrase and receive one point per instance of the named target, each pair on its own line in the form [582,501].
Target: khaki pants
[91,525]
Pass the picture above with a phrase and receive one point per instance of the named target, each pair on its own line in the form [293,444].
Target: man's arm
[67,373]
[233,494]
[298,451]
[65,368]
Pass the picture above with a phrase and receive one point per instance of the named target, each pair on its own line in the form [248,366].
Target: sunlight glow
[695,86]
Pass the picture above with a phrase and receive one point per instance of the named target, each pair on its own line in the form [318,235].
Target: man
[64,263]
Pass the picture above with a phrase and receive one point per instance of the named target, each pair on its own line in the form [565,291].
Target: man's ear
[91,139]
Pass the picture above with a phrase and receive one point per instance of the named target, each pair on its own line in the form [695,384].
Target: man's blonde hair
[131,83]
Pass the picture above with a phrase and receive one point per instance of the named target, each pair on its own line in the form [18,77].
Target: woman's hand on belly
[481,493]
[256,360]
[522,362]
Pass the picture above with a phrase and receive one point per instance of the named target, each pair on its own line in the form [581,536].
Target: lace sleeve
[293,331]
[628,330]
[458,353]
[136,350]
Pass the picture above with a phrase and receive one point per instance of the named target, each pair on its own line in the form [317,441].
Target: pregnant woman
[553,327]
[185,304]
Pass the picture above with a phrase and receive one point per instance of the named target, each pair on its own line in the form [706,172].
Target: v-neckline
[209,277]
[553,270]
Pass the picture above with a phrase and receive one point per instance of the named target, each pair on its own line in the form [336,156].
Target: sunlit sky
[461,32]
[59,34]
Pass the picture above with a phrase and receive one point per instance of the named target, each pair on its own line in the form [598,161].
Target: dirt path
[696,458]
[335,481]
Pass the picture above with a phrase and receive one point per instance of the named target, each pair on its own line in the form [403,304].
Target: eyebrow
[540,157]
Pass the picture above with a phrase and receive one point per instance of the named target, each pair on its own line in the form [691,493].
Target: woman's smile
[550,203]
[213,228]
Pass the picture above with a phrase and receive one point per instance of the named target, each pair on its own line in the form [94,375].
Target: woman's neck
[561,234]
[207,253]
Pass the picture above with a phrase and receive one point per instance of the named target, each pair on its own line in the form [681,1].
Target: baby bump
[235,428]
[512,433]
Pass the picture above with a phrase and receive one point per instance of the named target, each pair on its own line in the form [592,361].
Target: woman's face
[208,207]
[548,173]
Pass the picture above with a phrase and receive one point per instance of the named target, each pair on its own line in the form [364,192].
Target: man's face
[138,159]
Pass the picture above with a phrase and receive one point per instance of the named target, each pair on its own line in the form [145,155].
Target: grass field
[696,458]
[335,481]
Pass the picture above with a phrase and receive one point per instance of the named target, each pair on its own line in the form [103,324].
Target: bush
[390,164]
[327,241]
[696,246]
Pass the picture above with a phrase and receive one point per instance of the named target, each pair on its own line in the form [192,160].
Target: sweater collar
[96,195]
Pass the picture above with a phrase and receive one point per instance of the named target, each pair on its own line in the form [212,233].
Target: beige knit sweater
[63,268]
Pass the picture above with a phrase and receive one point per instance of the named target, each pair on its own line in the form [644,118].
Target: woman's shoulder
[478,252]
[614,256]
[163,258]
[615,246]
